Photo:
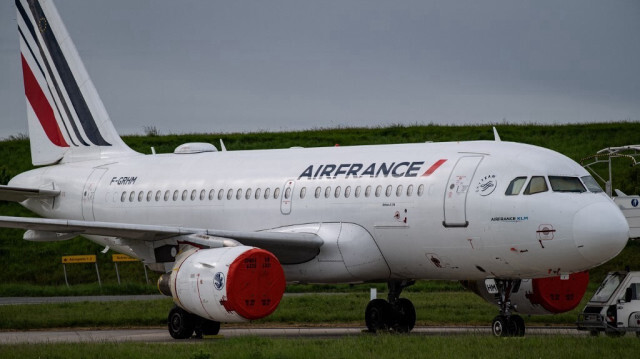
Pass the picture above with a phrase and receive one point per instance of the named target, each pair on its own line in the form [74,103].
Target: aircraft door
[287,197]
[89,191]
[455,195]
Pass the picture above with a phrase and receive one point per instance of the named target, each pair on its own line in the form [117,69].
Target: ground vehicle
[615,307]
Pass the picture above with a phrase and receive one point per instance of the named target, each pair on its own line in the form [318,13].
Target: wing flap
[293,247]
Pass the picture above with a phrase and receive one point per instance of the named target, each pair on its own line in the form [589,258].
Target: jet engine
[551,295]
[229,284]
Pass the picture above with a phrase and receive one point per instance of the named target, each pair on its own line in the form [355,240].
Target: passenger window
[267,191]
[258,191]
[149,195]
[347,192]
[220,194]
[409,190]
[303,192]
[239,193]
[123,197]
[591,184]
[184,195]
[388,191]
[367,191]
[566,184]
[166,195]
[338,190]
[515,186]
[202,194]
[420,190]
[248,194]
[175,195]
[140,196]
[399,191]
[358,190]
[536,185]
[378,190]
[287,193]
[158,195]
[132,196]
[193,195]
[212,193]
[229,194]
[318,190]
[276,193]
[327,192]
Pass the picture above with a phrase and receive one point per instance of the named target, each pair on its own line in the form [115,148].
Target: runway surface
[92,298]
[161,335]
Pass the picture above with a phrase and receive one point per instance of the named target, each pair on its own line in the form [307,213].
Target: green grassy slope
[40,264]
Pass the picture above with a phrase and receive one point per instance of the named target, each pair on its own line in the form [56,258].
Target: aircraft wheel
[500,326]
[180,323]
[517,327]
[206,327]
[405,316]
[377,315]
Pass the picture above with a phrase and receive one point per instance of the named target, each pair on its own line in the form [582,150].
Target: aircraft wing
[289,247]
[19,194]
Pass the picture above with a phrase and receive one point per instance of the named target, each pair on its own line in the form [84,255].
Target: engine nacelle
[551,295]
[230,284]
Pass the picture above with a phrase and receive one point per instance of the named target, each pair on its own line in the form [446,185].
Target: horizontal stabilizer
[19,194]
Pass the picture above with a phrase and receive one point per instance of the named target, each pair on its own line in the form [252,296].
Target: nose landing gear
[506,324]
[395,314]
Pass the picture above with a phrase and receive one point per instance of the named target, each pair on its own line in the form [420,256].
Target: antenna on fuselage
[496,135]
[222,148]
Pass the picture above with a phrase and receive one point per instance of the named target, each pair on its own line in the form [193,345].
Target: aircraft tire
[181,323]
[209,327]
[378,314]
[500,327]
[517,327]
[405,316]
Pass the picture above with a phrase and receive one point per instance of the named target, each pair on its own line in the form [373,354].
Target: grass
[360,346]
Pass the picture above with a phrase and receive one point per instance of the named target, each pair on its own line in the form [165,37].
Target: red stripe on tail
[433,168]
[41,106]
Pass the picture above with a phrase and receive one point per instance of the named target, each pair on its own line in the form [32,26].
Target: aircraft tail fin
[67,120]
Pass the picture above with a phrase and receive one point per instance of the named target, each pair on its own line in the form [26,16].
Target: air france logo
[372,170]
[487,185]
[218,281]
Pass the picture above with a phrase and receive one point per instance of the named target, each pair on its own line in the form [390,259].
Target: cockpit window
[536,185]
[515,186]
[566,184]
[591,184]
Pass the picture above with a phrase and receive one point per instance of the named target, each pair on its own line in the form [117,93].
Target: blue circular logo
[634,202]
[218,281]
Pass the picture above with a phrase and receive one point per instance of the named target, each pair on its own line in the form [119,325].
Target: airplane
[516,223]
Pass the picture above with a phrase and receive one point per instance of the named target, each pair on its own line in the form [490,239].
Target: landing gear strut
[507,324]
[182,324]
[395,314]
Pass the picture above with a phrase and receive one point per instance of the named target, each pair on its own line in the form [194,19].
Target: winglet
[496,135]
[222,148]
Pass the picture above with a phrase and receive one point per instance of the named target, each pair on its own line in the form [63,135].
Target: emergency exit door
[455,195]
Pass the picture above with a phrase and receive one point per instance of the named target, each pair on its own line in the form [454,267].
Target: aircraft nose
[600,231]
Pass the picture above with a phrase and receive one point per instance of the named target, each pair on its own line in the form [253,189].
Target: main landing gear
[395,314]
[183,324]
[506,324]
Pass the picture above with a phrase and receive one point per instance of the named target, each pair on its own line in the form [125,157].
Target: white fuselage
[414,211]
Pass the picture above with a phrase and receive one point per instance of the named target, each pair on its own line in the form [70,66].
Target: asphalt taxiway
[161,334]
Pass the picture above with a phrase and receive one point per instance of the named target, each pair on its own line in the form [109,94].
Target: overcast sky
[228,66]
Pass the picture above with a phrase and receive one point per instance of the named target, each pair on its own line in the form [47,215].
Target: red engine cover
[255,283]
[556,295]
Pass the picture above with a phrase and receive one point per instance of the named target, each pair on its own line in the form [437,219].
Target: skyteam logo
[487,185]
[218,281]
